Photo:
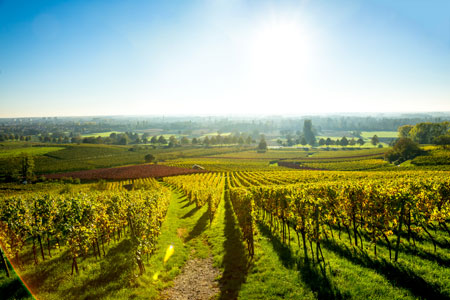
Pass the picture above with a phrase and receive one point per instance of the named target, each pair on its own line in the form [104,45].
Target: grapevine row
[374,208]
[82,221]
[201,189]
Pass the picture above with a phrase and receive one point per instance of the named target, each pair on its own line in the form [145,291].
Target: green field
[278,269]
[101,134]
[90,156]
[380,134]
[34,151]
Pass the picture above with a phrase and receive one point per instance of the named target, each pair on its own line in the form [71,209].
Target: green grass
[35,151]
[277,271]
[211,134]
[87,156]
[113,277]
[101,134]
[380,134]
[12,287]
[349,272]
[224,237]
[269,154]
[348,153]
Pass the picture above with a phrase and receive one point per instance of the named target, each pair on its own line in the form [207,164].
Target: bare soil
[198,281]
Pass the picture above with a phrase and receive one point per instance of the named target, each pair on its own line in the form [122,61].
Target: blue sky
[62,58]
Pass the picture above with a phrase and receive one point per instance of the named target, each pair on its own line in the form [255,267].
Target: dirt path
[197,281]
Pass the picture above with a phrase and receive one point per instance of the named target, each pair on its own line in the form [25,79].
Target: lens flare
[14,270]
[155,276]
[169,253]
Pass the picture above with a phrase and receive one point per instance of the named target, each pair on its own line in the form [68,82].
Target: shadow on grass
[201,225]
[234,260]
[13,288]
[116,269]
[420,252]
[48,274]
[311,274]
[397,274]
[187,204]
[190,213]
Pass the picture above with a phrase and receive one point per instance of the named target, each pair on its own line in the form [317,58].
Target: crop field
[101,134]
[370,238]
[357,227]
[271,154]
[380,134]
[121,173]
[34,151]
[224,164]
[68,158]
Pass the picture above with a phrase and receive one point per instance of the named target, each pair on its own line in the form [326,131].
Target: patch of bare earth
[197,281]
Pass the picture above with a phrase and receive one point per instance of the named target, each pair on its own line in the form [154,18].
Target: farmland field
[380,134]
[121,173]
[249,213]
[35,151]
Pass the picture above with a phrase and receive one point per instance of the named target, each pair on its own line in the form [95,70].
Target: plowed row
[129,172]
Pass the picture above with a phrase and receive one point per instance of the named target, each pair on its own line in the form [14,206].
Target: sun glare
[279,56]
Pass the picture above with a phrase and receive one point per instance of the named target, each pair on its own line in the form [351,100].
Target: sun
[280,53]
[281,44]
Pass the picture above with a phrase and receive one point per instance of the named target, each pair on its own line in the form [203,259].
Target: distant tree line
[425,133]
[69,127]
[132,138]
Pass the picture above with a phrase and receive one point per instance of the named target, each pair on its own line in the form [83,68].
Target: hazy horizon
[219,58]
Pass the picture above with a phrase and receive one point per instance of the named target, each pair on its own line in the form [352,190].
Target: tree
[262,146]
[162,140]
[352,142]
[206,141]
[360,141]
[344,142]
[27,163]
[154,139]
[321,142]
[403,131]
[149,158]
[172,141]
[328,142]
[442,140]
[403,150]
[303,141]
[375,140]
[194,141]
[424,133]
[184,140]
[308,132]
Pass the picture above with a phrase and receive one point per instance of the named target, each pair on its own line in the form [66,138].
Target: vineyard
[391,227]
[82,223]
[375,208]
[120,173]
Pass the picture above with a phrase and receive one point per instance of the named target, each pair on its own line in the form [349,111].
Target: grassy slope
[8,153]
[350,273]
[113,276]
[70,157]
[13,288]
[380,134]
[276,272]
